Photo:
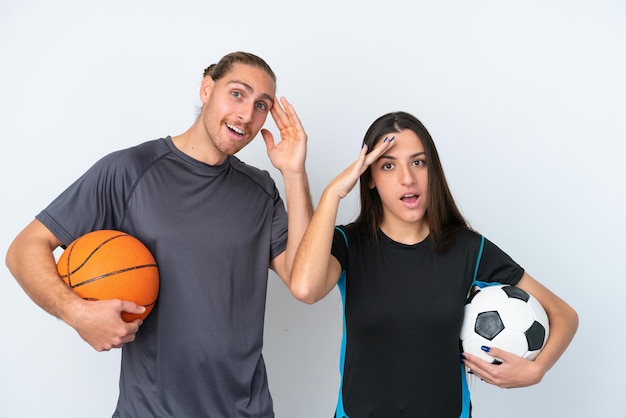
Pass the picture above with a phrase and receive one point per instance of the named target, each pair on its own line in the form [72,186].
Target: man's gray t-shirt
[213,231]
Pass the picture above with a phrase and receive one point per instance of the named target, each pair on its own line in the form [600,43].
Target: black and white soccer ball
[506,317]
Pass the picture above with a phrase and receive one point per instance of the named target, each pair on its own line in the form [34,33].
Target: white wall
[524,99]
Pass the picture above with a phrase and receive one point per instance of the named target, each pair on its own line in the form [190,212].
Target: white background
[525,100]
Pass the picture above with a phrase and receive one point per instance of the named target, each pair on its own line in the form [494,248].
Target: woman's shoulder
[467,238]
[350,230]
[469,234]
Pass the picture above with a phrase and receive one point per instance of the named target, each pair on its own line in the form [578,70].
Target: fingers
[347,179]
[268,138]
[500,356]
[365,159]
[508,371]
[131,331]
[378,150]
[126,335]
[475,364]
[279,112]
[495,355]
[102,326]
[132,307]
[495,352]
[286,118]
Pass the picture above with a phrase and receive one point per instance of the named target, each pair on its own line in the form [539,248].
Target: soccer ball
[506,317]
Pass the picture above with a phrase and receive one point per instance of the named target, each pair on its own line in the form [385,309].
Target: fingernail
[392,139]
[385,139]
[462,356]
[485,348]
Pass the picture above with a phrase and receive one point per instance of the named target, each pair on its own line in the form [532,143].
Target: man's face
[236,106]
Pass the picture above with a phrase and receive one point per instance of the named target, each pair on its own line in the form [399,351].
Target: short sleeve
[279,226]
[94,201]
[339,249]
[496,266]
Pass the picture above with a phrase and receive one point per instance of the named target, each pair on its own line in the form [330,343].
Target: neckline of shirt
[385,239]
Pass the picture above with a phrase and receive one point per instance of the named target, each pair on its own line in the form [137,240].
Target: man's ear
[206,87]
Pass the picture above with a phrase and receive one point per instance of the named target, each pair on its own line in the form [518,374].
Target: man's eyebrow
[249,89]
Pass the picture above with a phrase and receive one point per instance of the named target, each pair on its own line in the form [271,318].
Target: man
[214,225]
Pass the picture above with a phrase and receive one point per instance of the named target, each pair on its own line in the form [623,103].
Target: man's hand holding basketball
[100,324]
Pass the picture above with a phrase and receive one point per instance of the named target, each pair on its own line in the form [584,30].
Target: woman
[404,269]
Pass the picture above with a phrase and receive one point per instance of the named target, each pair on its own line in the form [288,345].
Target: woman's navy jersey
[403,309]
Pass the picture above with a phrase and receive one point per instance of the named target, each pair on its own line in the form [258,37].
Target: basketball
[110,264]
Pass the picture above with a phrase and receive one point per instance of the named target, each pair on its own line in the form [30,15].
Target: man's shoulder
[154,148]
[136,156]
[261,177]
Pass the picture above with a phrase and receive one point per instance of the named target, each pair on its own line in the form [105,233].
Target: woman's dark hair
[217,71]
[443,216]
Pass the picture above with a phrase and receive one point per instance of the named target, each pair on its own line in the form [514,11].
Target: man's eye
[236,94]
[261,106]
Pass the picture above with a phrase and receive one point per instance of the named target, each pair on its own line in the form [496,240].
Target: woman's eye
[387,166]
[419,163]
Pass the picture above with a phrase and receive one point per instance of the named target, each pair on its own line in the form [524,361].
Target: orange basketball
[109,264]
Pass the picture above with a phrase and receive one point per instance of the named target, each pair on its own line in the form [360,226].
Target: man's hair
[217,71]
[443,216]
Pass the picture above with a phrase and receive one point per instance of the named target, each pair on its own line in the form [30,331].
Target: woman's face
[400,176]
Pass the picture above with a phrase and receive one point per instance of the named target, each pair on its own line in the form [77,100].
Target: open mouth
[235,129]
[409,198]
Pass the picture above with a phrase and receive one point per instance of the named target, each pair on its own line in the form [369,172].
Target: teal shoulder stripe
[342,233]
[475,282]
[480,254]
[465,395]
[341,284]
